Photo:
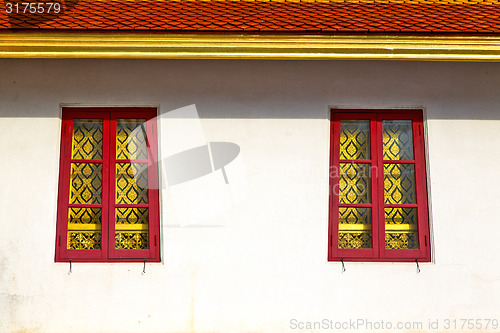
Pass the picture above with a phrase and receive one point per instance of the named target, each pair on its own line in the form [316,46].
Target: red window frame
[378,252]
[107,252]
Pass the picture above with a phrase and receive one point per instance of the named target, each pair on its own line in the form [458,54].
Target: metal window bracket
[70,267]
[418,267]
[343,266]
[144,268]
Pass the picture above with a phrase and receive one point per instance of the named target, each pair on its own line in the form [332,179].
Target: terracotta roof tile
[233,16]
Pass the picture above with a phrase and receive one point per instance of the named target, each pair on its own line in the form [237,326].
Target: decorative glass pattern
[354,215]
[354,183]
[85,183]
[131,240]
[87,139]
[355,240]
[397,140]
[355,140]
[355,228]
[131,216]
[399,184]
[401,228]
[84,240]
[131,139]
[84,215]
[399,240]
[84,228]
[400,216]
[131,183]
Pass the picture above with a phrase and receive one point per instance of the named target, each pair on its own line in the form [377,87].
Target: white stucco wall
[258,261]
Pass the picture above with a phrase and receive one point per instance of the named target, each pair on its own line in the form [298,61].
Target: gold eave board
[239,46]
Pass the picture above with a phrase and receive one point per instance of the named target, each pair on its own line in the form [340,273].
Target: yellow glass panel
[85,183]
[84,228]
[131,183]
[354,183]
[355,140]
[355,228]
[397,140]
[355,240]
[131,216]
[354,215]
[131,240]
[131,139]
[131,228]
[404,240]
[87,139]
[84,215]
[401,228]
[399,184]
[84,240]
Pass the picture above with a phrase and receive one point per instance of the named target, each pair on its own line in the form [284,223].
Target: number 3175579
[33,7]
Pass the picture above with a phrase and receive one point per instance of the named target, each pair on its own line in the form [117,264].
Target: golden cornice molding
[240,46]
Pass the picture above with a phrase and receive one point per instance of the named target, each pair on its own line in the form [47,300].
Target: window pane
[131,216]
[354,183]
[355,140]
[87,139]
[131,139]
[399,184]
[397,140]
[84,228]
[131,228]
[355,230]
[131,183]
[401,228]
[85,183]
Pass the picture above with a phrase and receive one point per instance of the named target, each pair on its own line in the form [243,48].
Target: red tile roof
[263,16]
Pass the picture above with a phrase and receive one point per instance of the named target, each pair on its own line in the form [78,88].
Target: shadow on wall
[250,89]
[200,161]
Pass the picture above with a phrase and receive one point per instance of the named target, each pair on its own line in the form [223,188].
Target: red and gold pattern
[401,229]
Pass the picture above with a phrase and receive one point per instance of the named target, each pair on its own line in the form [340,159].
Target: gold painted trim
[343,227]
[131,227]
[232,46]
[349,228]
[75,227]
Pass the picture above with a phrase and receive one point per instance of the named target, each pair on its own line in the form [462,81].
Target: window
[108,186]
[378,197]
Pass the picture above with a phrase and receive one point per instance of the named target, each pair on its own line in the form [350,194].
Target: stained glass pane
[84,228]
[85,183]
[84,215]
[131,139]
[131,216]
[399,184]
[354,183]
[131,228]
[87,139]
[355,140]
[131,183]
[401,228]
[84,240]
[131,240]
[355,228]
[397,140]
